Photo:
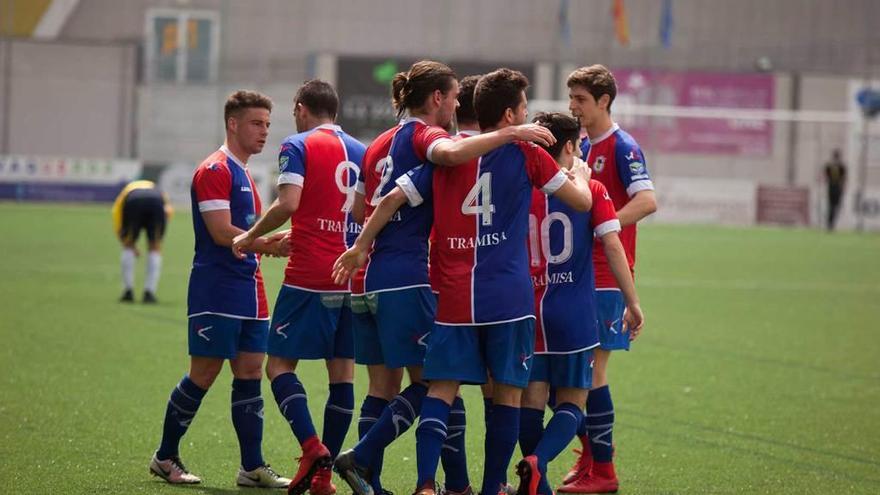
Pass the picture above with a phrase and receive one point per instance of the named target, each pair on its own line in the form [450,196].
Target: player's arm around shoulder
[449,153]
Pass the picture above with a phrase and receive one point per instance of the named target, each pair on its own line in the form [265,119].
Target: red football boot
[315,456]
[601,479]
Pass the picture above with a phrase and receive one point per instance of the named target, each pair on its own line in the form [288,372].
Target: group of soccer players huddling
[485,257]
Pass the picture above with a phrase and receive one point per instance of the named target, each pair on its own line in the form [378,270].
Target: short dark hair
[597,80]
[465,112]
[319,97]
[495,93]
[564,127]
[241,100]
[410,89]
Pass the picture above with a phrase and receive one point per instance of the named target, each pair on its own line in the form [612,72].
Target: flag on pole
[564,25]
[621,24]
[666,24]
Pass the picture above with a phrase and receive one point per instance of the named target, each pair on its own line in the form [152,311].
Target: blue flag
[666,24]
[564,25]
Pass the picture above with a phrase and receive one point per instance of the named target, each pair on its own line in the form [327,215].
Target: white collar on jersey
[411,119]
[608,133]
[238,161]
[330,127]
[468,133]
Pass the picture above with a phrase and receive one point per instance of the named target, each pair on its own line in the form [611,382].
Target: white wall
[66,99]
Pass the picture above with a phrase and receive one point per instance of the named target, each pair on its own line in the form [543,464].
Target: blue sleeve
[631,167]
[418,184]
[292,161]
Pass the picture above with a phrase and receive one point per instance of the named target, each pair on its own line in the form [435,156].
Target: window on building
[182,45]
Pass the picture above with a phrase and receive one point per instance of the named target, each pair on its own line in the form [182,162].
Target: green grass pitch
[757,371]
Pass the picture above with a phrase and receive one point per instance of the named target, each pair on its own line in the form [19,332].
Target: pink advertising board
[698,89]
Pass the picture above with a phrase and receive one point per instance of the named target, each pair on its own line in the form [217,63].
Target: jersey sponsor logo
[338,226]
[553,278]
[245,189]
[201,332]
[490,239]
[599,164]
[279,328]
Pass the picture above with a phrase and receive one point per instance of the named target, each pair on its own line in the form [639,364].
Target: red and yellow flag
[621,23]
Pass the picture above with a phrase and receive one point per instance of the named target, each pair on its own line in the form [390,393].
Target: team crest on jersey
[599,164]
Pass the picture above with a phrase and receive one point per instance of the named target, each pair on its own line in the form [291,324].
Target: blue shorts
[609,313]
[464,353]
[564,370]
[390,327]
[311,325]
[224,337]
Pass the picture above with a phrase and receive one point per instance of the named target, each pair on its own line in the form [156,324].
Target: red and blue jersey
[399,256]
[432,267]
[219,282]
[481,215]
[561,257]
[324,162]
[619,164]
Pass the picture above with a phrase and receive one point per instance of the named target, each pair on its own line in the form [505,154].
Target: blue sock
[501,439]
[291,398]
[600,422]
[453,454]
[182,407]
[337,416]
[487,410]
[430,436]
[370,411]
[531,427]
[247,418]
[560,430]
[400,414]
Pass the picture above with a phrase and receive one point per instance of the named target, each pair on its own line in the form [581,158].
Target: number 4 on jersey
[479,199]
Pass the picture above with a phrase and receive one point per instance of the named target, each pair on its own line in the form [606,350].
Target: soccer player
[312,318]
[140,206]
[560,251]
[392,302]
[618,163]
[481,223]
[228,315]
